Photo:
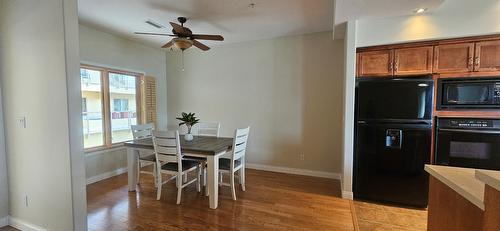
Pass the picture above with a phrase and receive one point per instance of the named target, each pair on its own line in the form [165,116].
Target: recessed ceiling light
[420,10]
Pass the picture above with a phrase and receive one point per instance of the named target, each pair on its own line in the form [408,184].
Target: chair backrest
[142,131]
[208,129]
[239,144]
[167,146]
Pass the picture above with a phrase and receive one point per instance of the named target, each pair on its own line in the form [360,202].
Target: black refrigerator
[393,132]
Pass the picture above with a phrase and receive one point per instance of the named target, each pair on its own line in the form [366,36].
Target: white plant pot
[188,137]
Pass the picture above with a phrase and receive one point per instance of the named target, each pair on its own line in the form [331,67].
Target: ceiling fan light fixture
[182,43]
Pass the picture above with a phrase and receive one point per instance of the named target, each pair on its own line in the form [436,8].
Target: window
[111,103]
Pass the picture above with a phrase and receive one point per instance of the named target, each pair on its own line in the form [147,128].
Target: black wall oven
[472,143]
[460,93]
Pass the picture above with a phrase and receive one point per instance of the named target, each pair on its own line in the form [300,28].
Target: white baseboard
[297,171]
[4,221]
[347,195]
[106,175]
[23,225]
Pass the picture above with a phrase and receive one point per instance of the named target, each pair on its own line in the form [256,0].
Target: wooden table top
[206,145]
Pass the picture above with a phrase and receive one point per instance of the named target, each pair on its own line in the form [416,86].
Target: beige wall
[289,90]
[456,18]
[38,156]
[4,190]
[104,49]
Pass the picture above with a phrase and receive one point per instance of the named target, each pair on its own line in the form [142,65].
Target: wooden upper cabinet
[413,61]
[451,58]
[487,56]
[375,63]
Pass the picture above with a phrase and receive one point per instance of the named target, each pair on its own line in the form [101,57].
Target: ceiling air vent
[157,25]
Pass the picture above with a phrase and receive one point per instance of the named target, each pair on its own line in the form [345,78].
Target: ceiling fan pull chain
[182,60]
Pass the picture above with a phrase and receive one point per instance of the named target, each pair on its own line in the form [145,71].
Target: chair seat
[150,158]
[173,166]
[225,164]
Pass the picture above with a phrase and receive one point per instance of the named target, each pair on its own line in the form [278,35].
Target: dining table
[211,148]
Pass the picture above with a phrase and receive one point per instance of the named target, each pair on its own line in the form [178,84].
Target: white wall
[34,72]
[454,18]
[4,193]
[104,49]
[289,90]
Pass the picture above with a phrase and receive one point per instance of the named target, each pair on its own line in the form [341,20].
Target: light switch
[21,122]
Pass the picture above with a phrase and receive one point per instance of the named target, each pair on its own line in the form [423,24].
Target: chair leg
[205,180]
[159,182]
[179,187]
[233,191]
[154,175]
[242,177]
[198,178]
[138,168]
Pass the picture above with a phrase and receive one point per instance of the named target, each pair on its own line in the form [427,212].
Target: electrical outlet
[301,156]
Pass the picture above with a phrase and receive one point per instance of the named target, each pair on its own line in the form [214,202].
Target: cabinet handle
[390,66]
[477,61]
[396,66]
[471,61]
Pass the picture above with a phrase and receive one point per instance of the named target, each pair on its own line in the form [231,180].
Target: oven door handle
[469,131]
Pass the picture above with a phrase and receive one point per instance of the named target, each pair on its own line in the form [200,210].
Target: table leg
[213,181]
[132,168]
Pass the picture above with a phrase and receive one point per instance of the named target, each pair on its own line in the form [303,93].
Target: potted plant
[189,120]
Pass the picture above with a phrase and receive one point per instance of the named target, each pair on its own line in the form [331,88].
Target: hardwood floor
[372,216]
[272,201]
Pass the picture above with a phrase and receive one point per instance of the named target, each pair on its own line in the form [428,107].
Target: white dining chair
[208,129]
[205,129]
[170,160]
[236,162]
[143,131]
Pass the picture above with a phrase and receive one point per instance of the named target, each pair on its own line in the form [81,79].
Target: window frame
[106,104]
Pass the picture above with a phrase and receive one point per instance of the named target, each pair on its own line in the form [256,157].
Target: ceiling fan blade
[180,29]
[146,33]
[208,37]
[200,45]
[167,45]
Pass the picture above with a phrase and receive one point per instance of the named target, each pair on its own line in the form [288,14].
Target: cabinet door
[375,63]
[413,61]
[487,56]
[451,58]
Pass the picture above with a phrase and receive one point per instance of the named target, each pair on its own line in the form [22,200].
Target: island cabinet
[463,199]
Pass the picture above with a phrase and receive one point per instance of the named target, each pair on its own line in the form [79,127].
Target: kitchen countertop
[491,178]
[461,180]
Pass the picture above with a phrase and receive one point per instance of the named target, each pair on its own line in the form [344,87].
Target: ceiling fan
[184,37]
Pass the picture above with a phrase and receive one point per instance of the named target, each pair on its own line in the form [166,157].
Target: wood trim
[106,103]
[431,42]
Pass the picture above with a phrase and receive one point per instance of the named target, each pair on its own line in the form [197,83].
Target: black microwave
[468,93]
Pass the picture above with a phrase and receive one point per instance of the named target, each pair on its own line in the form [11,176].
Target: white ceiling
[361,9]
[233,19]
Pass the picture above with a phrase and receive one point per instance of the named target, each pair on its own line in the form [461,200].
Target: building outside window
[109,105]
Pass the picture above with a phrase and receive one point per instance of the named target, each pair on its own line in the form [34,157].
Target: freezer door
[389,163]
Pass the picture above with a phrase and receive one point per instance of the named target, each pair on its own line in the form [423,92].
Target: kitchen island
[463,198]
